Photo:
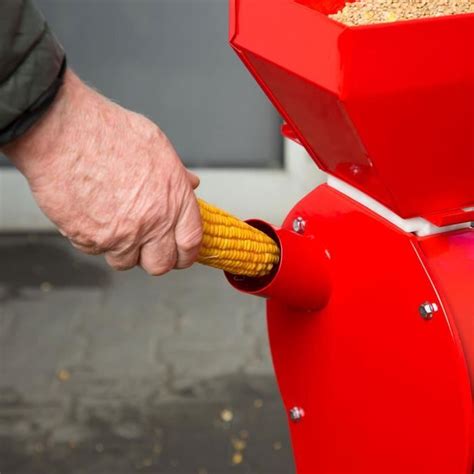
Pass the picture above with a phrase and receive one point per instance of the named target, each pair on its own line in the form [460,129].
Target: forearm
[56,129]
[31,62]
[73,126]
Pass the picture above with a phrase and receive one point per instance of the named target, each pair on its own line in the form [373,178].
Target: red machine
[371,311]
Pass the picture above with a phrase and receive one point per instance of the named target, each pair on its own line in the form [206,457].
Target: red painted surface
[450,218]
[325,6]
[390,110]
[450,262]
[300,256]
[370,103]
[383,390]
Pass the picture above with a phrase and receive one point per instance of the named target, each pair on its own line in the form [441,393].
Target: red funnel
[387,108]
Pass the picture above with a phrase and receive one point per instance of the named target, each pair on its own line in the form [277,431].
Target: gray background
[170,59]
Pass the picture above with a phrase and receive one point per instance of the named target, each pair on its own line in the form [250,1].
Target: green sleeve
[31,59]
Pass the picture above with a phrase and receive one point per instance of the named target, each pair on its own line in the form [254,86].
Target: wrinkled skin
[111,182]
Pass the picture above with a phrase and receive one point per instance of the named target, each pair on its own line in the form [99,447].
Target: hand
[111,182]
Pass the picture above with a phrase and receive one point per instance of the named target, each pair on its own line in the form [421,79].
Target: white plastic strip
[416,225]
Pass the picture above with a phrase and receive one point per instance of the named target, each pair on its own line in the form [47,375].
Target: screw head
[427,310]
[296,414]
[299,225]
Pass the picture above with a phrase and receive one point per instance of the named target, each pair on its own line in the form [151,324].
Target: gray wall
[170,60]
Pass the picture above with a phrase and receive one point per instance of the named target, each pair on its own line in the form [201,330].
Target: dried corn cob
[234,246]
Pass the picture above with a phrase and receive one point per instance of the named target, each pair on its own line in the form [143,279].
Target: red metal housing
[300,256]
[375,384]
[383,389]
[387,108]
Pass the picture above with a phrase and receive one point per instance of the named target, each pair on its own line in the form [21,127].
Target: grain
[63,375]
[366,12]
[237,458]
[227,415]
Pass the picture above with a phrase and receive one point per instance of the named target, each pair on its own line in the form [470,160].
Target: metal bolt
[299,225]
[296,414]
[355,170]
[427,310]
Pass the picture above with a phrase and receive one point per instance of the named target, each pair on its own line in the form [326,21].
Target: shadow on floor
[31,262]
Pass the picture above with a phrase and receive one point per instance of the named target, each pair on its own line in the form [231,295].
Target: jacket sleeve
[32,63]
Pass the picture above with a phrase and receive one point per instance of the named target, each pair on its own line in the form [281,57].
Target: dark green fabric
[30,58]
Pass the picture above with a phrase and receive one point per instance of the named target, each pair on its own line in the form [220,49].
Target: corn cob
[234,246]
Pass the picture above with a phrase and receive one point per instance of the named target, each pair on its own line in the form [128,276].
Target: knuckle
[158,270]
[159,265]
[120,266]
[84,246]
[159,135]
[89,250]
[185,264]
[108,239]
[104,241]
[123,258]
[87,240]
[115,266]
[190,241]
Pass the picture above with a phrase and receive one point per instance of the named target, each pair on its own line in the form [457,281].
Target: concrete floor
[115,373]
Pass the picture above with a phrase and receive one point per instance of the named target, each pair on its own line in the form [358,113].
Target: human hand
[111,182]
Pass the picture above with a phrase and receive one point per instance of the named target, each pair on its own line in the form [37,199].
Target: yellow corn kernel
[235,246]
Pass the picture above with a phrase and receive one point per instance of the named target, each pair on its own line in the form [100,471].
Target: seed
[63,375]
[277,445]
[364,12]
[239,444]
[227,415]
[237,458]
[258,403]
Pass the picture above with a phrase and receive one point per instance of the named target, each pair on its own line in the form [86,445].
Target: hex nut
[299,225]
[296,414]
[427,310]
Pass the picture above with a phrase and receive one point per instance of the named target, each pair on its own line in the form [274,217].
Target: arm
[111,181]
[32,65]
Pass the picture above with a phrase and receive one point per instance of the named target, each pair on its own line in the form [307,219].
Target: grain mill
[371,307]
